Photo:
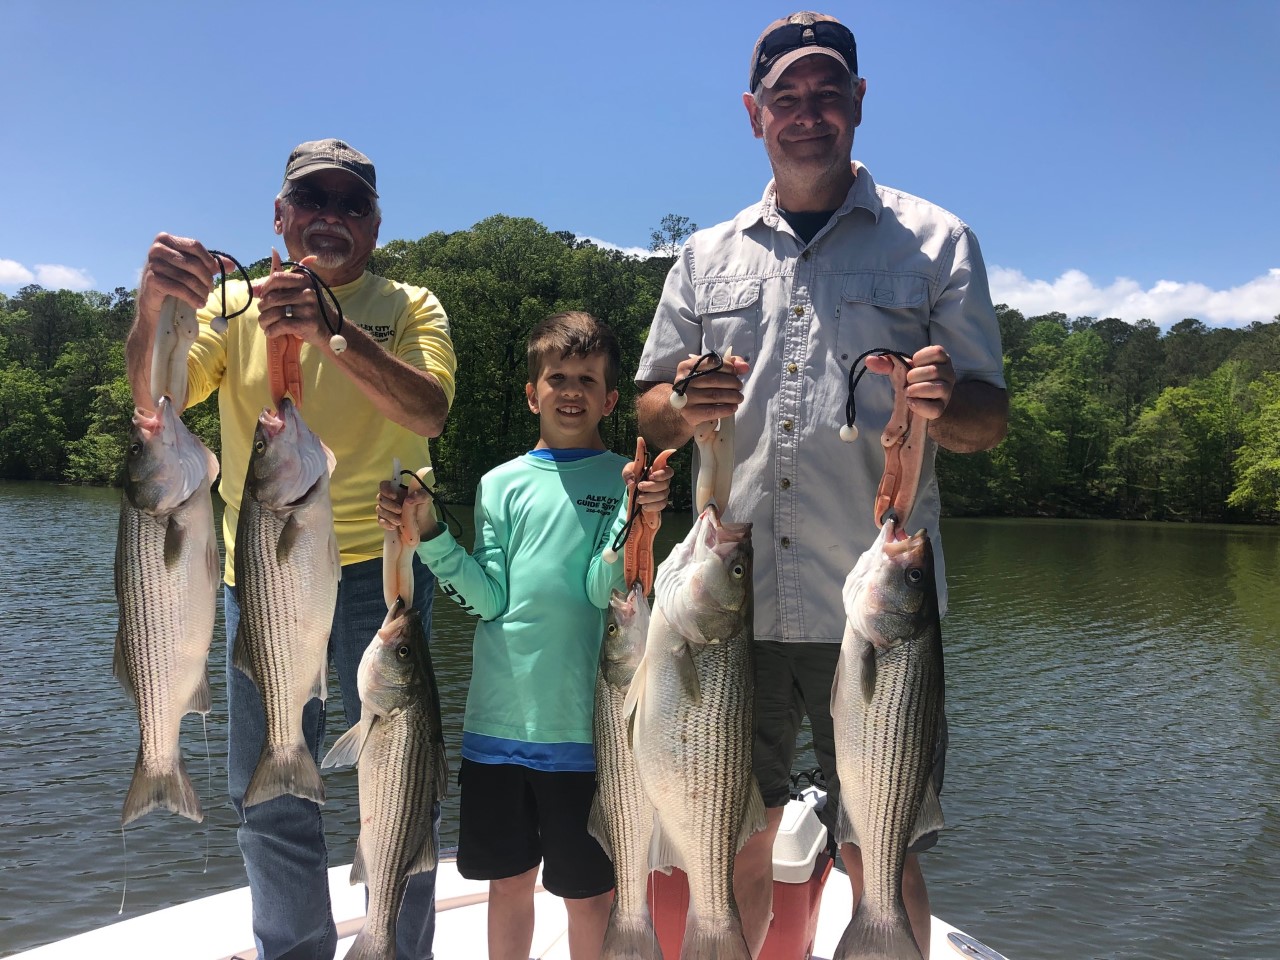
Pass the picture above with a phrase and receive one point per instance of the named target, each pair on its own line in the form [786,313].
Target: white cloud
[51,276]
[56,276]
[642,252]
[14,274]
[1165,303]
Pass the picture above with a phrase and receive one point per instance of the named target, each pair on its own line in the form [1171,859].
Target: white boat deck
[218,927]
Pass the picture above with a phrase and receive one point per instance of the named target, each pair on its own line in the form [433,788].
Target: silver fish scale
[166,622]
[397,775]
[286,608]
[893,741]
[625,808]
[698,772]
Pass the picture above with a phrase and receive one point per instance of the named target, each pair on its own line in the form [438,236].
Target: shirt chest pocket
[882,310]
[730,314]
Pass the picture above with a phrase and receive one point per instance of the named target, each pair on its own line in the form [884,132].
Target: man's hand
[930,380]
[287,304]
[652,494]
[711,396]
[176,267]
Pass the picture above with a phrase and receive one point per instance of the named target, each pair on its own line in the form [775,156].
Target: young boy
[539,584]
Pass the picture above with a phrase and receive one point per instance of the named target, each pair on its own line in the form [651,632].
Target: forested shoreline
[1108,419]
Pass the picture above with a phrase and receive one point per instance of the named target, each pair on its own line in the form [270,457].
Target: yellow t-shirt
[407,321]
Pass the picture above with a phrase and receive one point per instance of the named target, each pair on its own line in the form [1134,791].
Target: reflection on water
[1113,787]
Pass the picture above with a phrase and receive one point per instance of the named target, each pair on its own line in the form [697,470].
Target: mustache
[328,230]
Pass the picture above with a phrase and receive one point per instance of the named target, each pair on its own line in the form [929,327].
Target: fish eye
[135,448]
[259,445]
[403,652]
[612,629]
[739,571]
[915,575]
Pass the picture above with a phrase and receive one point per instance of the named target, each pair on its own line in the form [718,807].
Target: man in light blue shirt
[826,266]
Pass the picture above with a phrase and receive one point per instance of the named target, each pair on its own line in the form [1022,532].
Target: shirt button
[786,542]
[786,425]
[792,368]
[798,311]
[785,484]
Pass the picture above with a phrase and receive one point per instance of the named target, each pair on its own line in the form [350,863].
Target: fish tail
[875,938]
[171,789]
[630,940]
[714,943]
[288,770]
[372,945]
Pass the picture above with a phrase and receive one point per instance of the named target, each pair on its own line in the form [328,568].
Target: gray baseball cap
[330,154]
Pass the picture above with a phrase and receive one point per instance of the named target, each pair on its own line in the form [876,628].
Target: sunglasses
[357,206]
[792,36]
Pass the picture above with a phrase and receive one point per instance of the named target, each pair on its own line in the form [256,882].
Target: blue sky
[1115,158]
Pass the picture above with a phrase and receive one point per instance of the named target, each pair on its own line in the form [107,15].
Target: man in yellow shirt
[379,398]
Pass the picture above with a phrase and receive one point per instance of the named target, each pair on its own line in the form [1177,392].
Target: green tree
[31,432]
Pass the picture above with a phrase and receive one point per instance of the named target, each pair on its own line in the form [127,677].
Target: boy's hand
[408,511]
[653,493]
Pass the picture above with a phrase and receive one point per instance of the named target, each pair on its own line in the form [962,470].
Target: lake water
[1113,783]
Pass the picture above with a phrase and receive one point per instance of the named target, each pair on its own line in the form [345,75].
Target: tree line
[1107,419]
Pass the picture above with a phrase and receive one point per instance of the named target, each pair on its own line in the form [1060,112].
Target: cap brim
[791,56]
[316,166]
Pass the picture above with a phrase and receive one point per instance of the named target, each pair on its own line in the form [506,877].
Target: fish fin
[836,680]
[175,537]
[290,534]
[211,559]
[291,770]
[721,942]
[635,692]
[845,830]
[200,701]
[346,752]
[754,817]
[171,789]
[929,819]
[687,671]
[441,772]
[357,866]
[211,463]
[427,857]
[633,940]
[240,657]
[662,853]
[596,826]
[320,686]
[867,658]
[120,667]
[870,936]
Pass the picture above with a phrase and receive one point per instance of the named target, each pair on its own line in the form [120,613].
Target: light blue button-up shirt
[889,270]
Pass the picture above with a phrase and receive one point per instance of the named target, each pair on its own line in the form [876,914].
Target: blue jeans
[282,840]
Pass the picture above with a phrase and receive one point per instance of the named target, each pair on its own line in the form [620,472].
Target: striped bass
[287,569]
[692,700]
[621,815]
[886,705]
[166,582]
[398,746]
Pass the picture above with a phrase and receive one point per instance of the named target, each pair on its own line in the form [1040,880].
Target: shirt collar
[862,194]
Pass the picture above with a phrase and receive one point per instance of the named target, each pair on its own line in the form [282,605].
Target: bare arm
[402,393]
[708,397]
[976,418]
[176,267]
[964,416]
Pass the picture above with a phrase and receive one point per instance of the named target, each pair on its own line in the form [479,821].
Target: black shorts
[793,680]
[511,818]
